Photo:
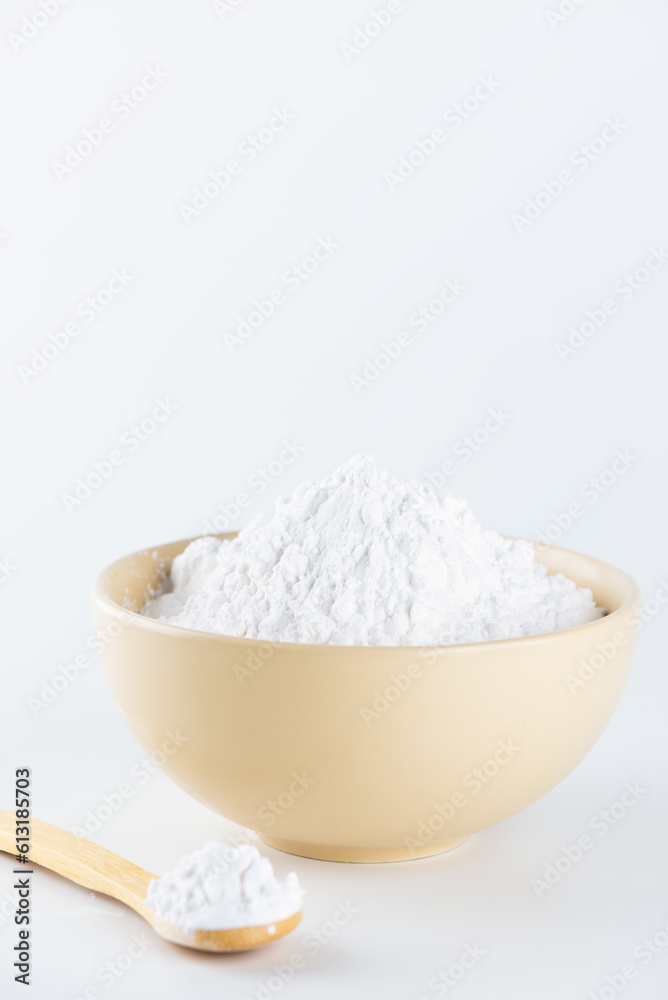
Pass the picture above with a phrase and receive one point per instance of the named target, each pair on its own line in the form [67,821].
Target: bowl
[364,753]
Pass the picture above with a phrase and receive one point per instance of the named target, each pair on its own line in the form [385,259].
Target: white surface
[493,347]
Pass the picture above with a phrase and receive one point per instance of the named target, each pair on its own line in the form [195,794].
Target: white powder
[362,558]
[218,887]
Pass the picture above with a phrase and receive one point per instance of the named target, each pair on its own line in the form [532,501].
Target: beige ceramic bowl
[357,753]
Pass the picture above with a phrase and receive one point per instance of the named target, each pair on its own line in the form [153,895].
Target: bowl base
[361,855]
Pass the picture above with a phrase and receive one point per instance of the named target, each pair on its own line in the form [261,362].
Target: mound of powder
[362,558]
[218,887]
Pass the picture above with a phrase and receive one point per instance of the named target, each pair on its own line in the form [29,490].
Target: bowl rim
[102,598]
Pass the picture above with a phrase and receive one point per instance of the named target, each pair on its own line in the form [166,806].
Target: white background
[163,337]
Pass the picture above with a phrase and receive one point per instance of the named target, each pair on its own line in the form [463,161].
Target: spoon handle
[79,860]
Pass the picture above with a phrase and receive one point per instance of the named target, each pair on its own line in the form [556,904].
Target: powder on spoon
[219,887]
[362,558]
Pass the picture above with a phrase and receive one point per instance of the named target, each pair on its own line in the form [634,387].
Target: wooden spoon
[97,868]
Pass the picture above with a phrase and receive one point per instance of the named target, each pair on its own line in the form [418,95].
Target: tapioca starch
[362,558]
[222,887]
